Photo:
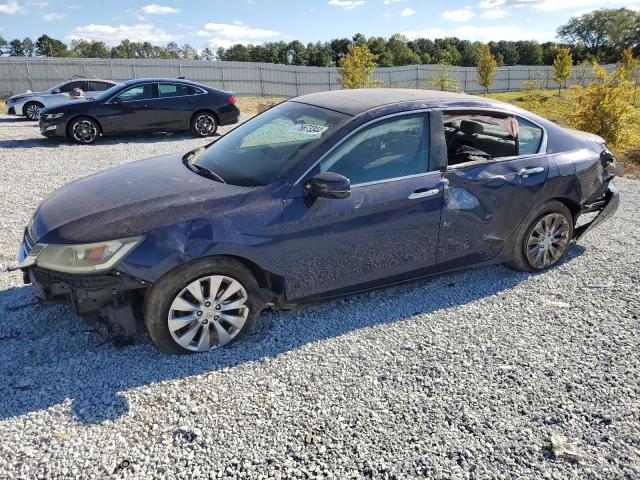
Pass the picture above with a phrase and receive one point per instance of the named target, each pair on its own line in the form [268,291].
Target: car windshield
[107,93]
[266,147]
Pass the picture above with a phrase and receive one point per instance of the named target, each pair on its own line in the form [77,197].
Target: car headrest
[471,128]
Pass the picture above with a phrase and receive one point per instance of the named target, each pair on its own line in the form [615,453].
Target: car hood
[131,200]
[26,94]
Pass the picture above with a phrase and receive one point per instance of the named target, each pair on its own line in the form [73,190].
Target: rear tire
[212,316]
[84,130]
[543,238]
[32,110]
[204,124]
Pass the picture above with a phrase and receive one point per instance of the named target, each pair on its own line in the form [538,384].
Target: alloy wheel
[205,124]
[33,111]
[548,241]
[208,313]
[84,131]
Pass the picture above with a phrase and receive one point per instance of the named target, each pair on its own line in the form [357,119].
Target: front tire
[84,130]
[543,238]
[204,124]
[32,110]
[202,306]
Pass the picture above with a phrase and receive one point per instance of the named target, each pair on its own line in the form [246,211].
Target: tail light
[232,100]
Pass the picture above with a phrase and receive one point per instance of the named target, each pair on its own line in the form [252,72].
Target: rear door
[388,226]
[175,105]
[497,166]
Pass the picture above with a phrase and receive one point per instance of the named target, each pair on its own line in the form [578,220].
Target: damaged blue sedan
[324,195]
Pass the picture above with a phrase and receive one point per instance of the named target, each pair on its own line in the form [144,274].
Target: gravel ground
[486,373]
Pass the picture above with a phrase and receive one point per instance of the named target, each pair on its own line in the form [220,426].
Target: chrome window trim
[158,98]
[364,125]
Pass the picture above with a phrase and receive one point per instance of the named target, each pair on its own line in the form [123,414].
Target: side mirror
[56,91]
[117,101]
[328,185]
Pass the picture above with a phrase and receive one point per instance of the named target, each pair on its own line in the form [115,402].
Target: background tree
[604,32]
[89,49]
[51,47]
[627,64]
[3,45]
[486,69]
[28,47]
[562,67]
[15,48]
[603,107]
[356,68]
[207,54]
[444,79]
[188,52]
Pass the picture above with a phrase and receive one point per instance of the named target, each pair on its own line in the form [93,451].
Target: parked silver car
[29,104]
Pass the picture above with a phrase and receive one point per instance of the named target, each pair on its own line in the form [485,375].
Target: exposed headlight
[86,258]
[53,116]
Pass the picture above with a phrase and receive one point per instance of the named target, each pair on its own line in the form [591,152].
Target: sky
[215,23]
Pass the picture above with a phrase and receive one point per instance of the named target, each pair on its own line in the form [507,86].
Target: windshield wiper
[200,169]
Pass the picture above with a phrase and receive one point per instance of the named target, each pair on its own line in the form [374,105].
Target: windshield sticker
[309,129]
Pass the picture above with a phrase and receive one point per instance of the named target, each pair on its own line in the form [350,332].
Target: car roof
[172,80]
[354,102]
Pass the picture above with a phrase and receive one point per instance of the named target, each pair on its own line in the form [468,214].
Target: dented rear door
[484,203]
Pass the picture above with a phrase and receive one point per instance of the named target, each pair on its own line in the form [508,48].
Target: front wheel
[204,124]
[32,110]
[544,238]
[84,130]
[202,306]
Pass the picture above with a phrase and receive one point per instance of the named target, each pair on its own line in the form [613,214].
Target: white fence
[19,74]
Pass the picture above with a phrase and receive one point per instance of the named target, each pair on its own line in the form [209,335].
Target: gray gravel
[486,373]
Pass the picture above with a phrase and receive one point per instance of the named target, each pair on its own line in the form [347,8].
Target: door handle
[147,105]
[525,172]
[423,193]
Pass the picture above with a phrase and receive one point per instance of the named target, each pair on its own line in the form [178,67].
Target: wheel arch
[79,115]
[574,207]
[202,110]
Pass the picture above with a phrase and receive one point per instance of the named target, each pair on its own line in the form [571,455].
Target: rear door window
[98,86]
[529,137]
[477,136]
[167,90]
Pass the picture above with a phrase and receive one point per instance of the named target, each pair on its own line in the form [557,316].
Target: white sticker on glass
[309,129]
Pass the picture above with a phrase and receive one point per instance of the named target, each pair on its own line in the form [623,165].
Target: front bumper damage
[604,203]
[107,301]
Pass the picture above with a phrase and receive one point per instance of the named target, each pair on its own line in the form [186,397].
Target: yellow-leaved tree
[562,67]
[486,69]
[356,68]
[603,107]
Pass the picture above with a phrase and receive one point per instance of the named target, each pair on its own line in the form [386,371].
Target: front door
[387,227]
[497,167]
[135,110]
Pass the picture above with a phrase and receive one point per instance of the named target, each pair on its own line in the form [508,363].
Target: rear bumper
[605,207]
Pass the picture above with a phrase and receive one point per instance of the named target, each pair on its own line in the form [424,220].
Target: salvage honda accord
[324,195]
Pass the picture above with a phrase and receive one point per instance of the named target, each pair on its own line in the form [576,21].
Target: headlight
[86,258]
[53,116]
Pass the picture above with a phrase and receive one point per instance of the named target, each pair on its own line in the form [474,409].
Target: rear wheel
[204,124]
[543,238]
[32,110]
[202,306]
[84,130]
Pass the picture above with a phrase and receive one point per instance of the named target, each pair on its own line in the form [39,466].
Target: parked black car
[324,195]
[142,105]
